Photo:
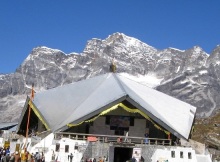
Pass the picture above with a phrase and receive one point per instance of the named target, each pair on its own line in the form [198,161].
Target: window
[66,148]
[189,155]
[131,121]
[57,147]
[120,121]
[181,154]
[107,120]
[119,132]
[173,154]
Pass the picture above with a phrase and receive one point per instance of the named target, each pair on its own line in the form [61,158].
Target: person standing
[126,137]
[7,151]
[12,158]
[28,157]
[146,140]
[8,157]
[32,157]
[23,156]
[3,158]
[53,156]
[37,157]
[42,157]
[71,157]
[17,157]
[133,159]
[100,159]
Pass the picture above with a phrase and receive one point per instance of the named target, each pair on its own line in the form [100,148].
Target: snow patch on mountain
[176,49]
[203,72]
[149,80]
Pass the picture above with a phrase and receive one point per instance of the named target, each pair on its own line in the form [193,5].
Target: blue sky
[68,24]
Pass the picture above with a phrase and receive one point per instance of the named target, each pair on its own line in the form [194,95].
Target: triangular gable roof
[81,100]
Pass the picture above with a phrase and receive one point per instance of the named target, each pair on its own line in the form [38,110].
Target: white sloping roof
[177,114]
[81,100]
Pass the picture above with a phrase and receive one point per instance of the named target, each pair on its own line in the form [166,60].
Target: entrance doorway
[122,154]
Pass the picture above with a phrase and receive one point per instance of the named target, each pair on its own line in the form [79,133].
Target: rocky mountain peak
[179,73]
[215,56]
[120,39]
[42,50]
[197,48]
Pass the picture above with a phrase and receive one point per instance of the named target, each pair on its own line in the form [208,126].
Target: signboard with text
[137,153]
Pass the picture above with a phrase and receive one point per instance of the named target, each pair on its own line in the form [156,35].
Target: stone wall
[99,149]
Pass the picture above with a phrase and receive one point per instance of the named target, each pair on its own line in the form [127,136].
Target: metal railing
[112,138]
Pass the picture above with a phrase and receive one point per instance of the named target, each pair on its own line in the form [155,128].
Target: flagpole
[29,113]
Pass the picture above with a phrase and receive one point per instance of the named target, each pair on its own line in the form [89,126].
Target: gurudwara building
[101,110]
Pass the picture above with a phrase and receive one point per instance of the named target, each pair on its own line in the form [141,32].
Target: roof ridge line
[118,81]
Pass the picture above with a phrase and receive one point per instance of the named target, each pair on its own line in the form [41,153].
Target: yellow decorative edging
[30,103]
[126,109]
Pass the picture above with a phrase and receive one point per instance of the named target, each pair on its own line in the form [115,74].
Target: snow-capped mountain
[190,75]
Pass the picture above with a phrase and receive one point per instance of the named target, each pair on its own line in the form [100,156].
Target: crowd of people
[22,156]
[100,159]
